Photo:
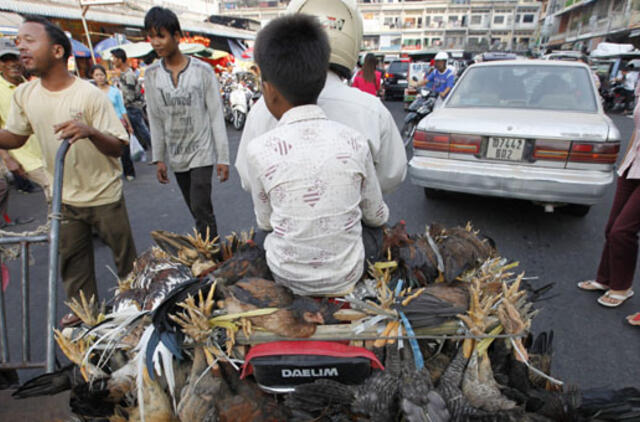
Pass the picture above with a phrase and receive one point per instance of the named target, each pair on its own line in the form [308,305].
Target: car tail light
[465,144]
[431,141]
[597,153]
[551,150]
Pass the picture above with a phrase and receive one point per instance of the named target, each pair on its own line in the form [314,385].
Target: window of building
[498,20]
[476,19]
[518,18]
[529,18]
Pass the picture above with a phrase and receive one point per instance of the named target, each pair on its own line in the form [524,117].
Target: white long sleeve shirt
[312,181]
[353,108]
[187,119]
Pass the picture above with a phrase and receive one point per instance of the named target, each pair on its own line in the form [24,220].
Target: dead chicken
[480,388]
[153,277]
[297,316]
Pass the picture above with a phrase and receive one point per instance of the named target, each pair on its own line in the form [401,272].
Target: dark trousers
[618,261]
[195,185]
[111,223]
[127,164]
[140,128]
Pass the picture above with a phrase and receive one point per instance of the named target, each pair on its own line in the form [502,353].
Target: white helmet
[343,23]
[442,56]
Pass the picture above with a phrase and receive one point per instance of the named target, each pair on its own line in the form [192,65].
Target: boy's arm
[215,110]
[374,210]
[155,121]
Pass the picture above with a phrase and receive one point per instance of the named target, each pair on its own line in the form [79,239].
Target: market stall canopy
[127,14]
[111,42]
[79,49]
[9,23]
[141,49]
[133,50]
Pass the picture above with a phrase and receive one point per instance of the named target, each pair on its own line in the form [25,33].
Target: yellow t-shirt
[90,177]
[29,155]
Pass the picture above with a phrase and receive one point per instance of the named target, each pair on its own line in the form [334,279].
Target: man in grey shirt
[186,118]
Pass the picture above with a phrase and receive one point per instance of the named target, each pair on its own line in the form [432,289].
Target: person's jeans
[140,128]
[195,185]
[127,164]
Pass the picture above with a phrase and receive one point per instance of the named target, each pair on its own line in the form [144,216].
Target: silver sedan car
[520,129]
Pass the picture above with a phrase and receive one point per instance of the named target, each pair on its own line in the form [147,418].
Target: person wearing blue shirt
[99,75]
[441,78]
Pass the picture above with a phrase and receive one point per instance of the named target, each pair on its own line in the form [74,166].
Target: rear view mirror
[414,78]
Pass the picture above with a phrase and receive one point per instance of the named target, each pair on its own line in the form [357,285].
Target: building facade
[410,26]
[582,25]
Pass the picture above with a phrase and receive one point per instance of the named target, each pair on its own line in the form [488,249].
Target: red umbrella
[248,53]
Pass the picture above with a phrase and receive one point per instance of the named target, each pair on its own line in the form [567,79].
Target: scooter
[419,108]
[238,99]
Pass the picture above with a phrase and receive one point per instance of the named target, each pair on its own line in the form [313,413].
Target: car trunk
[540,138]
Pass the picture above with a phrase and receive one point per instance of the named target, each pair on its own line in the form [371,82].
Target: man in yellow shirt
[25,161]
[60,106]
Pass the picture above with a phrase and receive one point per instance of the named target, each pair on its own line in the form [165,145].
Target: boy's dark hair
[97,67]
[120,54]
[55,34]
[160,17]
[293,54]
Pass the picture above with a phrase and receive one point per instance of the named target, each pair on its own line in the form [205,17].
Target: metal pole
[24,260]
[54,238]
[4,340]
[86,31]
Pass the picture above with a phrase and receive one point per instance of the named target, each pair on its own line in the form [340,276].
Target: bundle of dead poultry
[438,330]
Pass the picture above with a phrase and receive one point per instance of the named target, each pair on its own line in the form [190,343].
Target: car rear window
[526,86]
[398,67]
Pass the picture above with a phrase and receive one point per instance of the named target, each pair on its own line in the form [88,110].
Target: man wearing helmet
[442,77]
[343,104]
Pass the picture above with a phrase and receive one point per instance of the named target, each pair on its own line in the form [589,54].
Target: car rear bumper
[494,179]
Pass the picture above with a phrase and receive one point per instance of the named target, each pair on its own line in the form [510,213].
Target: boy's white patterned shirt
[312,182]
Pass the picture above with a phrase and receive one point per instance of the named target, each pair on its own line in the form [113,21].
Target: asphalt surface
[594,346]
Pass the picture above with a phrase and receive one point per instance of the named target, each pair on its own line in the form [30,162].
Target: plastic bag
[137,152]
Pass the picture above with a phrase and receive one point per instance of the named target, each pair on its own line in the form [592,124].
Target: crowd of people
[316,155]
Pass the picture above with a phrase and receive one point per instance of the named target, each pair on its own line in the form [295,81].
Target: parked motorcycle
[419,108]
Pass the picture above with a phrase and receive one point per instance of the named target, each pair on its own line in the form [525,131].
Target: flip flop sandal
[592,286]
[619,298]
[634,319]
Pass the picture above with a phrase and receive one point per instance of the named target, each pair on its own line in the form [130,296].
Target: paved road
[594,346]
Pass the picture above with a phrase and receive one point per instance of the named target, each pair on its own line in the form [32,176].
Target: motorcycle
[419,108]
[239,99]
[614,98]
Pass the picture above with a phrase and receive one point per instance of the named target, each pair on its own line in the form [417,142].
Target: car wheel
[578,210]
[434,193]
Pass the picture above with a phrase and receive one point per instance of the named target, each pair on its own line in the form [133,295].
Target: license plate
[402,81]
[507,149]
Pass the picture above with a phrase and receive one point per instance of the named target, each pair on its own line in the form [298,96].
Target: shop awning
[9,23]
[130,18]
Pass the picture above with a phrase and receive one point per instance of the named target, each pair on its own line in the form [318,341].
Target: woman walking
[368,79]
[99,75]
[618,261]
